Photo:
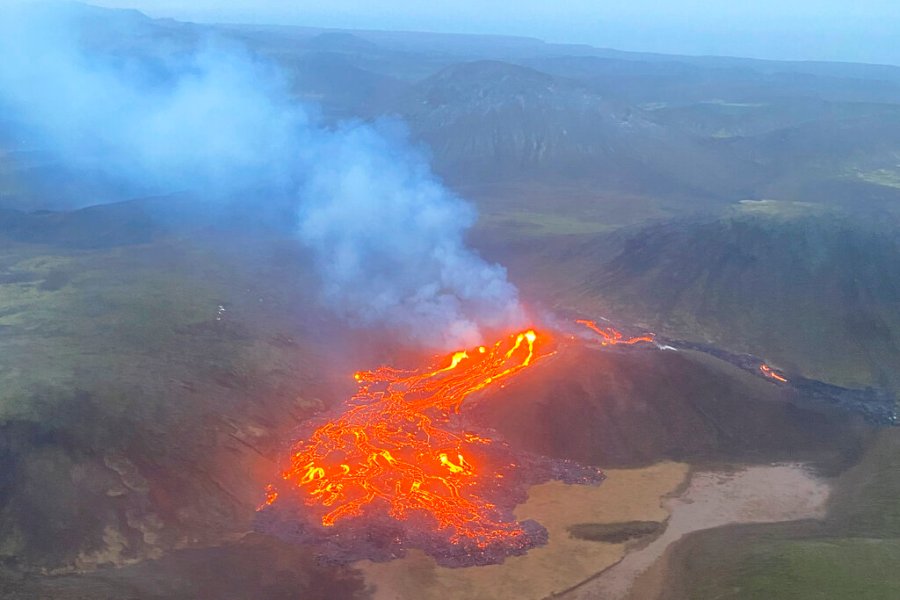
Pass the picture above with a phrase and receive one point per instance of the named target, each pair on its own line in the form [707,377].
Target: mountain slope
[642,405]
[492,120]
[820,294]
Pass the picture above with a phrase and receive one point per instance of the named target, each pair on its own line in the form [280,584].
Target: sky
[843,30]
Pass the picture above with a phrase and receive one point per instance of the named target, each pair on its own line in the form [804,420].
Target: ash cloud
[209,117]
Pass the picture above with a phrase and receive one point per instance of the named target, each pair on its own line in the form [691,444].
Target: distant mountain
[676,80]
[495,120]
[333,82]
[521,109]
[340,41]
[853,161]
[457,46]
[817,293]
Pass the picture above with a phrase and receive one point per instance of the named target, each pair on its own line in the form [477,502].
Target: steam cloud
[387,237]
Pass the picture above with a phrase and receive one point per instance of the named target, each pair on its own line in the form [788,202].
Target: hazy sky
[860,30]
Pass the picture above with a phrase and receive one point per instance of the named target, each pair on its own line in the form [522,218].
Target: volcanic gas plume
[220,126]
[399,451]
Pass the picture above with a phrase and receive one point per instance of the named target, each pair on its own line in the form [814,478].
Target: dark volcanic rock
[877,406]
[639,405]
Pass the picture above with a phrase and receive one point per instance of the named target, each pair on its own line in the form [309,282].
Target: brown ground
[759,494]
[627,495]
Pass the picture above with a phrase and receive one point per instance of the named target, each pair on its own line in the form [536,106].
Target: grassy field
[72,319]
[853,554]
[139,378]
[821,569]
[539,224]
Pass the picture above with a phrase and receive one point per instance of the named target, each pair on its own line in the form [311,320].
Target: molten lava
[772,373]
[611,337]
[395,449]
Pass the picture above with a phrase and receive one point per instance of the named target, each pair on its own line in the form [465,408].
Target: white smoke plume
[387,237]
[390,239]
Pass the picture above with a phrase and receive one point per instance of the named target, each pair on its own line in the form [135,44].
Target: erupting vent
[399,468]
[392,446]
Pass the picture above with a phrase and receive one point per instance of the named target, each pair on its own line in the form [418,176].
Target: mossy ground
[821,569]
[853,554]
[183,361]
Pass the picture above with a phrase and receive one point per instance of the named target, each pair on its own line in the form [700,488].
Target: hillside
[488,121]
[646,405]
[815,293]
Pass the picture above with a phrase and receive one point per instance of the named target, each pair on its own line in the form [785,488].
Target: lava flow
[396,450]
[611,337]
[772,373]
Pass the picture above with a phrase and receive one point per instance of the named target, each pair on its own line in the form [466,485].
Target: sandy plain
[626,495]
[757,494]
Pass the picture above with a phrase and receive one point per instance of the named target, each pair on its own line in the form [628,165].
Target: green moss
[82,319]
[539,223]
[867,501]
[852,554]
[614,533]
[833,569]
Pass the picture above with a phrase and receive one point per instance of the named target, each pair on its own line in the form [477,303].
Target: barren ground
[759,494]
[627,495]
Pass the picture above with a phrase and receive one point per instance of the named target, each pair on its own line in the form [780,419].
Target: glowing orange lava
[611,336]
[393,450]
[771,373]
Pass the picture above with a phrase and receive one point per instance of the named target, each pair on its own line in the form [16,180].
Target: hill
[489,120]
[817,293]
